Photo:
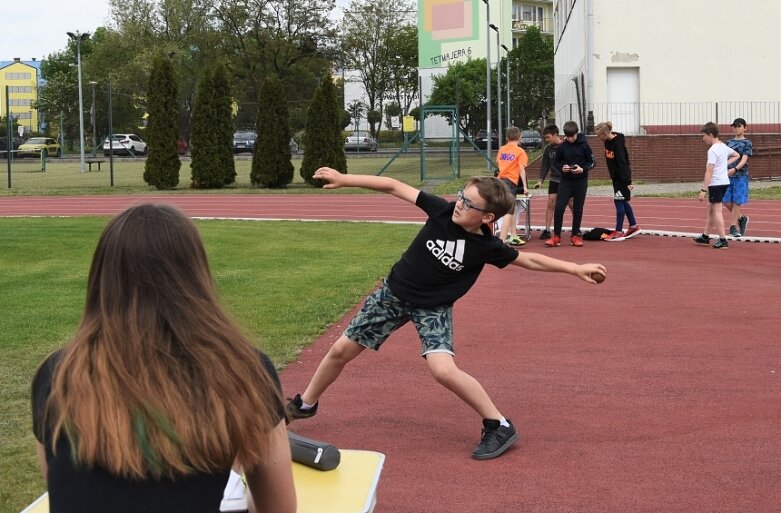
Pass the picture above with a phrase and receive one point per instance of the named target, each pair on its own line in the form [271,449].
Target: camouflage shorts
[383,313]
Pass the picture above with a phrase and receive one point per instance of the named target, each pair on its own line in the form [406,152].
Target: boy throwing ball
[440,266]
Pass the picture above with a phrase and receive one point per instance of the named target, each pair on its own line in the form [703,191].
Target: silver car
[360,141]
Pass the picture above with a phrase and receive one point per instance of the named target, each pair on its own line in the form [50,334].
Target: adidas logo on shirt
[450,253]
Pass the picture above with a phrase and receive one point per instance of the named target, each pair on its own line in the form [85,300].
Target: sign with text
[451,31]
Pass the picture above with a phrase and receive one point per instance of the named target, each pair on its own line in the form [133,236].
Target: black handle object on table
[313,453]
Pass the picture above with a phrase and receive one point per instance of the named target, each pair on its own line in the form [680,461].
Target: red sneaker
[553,241]
[632,231]
[615,236]
[576,240]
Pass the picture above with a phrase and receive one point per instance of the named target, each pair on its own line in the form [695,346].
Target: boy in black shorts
[440,266]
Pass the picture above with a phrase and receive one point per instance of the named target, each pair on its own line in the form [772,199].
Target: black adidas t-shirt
[74,488]
[444,260]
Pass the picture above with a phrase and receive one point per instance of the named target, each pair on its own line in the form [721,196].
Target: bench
[94,161]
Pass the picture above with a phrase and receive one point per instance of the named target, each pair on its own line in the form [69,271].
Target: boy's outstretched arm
[392,186]
[538,262]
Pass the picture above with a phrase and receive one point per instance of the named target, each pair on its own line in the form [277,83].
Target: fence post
[43,160]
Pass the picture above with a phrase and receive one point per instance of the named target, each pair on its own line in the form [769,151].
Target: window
[19,103]
[22,115]
[18,76]
[20,89]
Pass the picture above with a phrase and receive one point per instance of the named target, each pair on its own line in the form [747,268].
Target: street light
[79,38]
[507,79]
[92,118]
[498,84]
[488,84]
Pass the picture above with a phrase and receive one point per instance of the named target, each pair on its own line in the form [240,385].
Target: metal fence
[672,118]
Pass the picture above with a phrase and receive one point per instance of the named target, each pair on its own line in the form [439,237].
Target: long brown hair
[158,380]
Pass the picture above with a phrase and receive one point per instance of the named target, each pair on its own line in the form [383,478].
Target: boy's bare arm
[392,186]
[538,262]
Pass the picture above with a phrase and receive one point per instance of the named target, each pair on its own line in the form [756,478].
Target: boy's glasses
[468,205]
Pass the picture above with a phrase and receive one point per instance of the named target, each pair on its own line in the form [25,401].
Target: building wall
[693,53]
[681,158]
[19,74]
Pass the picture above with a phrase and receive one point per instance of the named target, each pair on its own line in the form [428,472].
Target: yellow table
[350,488]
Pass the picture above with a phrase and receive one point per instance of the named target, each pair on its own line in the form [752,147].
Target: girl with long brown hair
[159,393]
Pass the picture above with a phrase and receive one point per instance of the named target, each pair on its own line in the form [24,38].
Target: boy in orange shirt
[512,161]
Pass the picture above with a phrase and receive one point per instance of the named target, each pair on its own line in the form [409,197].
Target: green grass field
[64,176]
[281,280]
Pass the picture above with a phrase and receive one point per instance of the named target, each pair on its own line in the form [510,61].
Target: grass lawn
[281,280]
[63,176]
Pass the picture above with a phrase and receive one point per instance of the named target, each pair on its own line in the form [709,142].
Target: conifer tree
[323,143]
[271,165]
[206,164]
[161,169]
[223,104]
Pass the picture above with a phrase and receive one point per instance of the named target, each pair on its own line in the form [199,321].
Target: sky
[38,32]
[41,31]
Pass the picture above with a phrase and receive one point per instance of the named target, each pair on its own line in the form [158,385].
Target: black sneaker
[733,230]
[495,440]
[702,239]
[293,410]
[743,224]
[721,244]
[545,235]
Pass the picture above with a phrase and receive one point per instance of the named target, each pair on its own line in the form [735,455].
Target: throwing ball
[598,277]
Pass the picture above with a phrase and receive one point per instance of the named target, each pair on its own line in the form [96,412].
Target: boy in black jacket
[575,158]
[617,158]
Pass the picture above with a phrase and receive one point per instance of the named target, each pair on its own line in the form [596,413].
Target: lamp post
[79,38]
[498,84]
[92,115]
[507,79]
[488,83]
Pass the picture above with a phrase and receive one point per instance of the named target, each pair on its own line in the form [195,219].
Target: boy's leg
[340,354]
[467,388]
[549,210]
[578,200]
[498,433]
[381,314]
[717,219]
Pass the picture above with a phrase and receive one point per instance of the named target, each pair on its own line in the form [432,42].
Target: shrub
[161,169]
[271,165]
[323,143]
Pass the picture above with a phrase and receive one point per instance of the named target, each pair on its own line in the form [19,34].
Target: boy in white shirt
[715,184]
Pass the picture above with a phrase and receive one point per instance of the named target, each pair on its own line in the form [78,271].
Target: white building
[649,64]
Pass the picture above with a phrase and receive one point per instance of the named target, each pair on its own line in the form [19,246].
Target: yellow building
[22,81]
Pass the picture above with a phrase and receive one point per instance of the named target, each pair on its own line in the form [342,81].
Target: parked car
[531,140]
[360,141]
[17,141]
[124,143]
[481,141]
[35,146]
[244,140]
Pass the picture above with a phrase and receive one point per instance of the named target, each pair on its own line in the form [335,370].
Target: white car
[360,141]
[124,143]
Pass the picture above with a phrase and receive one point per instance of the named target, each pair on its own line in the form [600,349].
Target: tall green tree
[271,165]
[531,78]
[223,110]
[323,144]
[206,161]
[162,165]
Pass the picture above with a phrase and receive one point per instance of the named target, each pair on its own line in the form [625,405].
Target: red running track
[655,392]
